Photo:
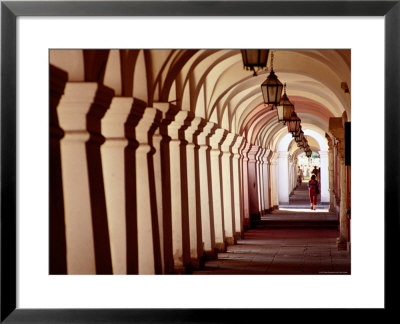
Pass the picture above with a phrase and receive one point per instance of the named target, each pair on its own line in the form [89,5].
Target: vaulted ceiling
[214,85]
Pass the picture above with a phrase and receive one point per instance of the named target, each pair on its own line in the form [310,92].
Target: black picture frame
[10,10]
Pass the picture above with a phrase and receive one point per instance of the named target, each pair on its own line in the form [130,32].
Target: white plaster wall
[283,178]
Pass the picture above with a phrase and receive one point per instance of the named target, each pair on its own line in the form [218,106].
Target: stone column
[283,180]
[290,161]
[158,174]
[196,244]
[264,184]
[324,176]
[266,181]
[245,184]
[273,179]
[149,258]
[294,174]
[237,205]
[80,111]
[161,141]
[179,193]
[259,180]
[215,155]
[331,176]
[337,129]
[227,186]
[206,129]
[291,174]
[343,238]
[269,183]
[57,244]
[116,160]
[253,189]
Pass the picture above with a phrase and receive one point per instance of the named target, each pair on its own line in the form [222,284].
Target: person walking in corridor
[313,189]
[316,172]
[299,176]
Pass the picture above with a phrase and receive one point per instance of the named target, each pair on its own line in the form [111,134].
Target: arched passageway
[164,160]
[288,165]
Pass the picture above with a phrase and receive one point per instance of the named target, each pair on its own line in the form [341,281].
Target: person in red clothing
[313,189]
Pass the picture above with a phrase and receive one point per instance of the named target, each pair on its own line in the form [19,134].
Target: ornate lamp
[303,143]
[285,108]
[293,123]
[297,133]
[272,87]
[300,137]
[254,59]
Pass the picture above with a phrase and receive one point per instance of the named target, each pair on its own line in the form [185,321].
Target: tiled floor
[286,242]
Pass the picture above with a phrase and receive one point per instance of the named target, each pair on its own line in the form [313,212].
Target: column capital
[329,141]
[237,145]
[337,130]
[254,149]
[206,129]
[266,155]
[83,105]
[168,112]
[273,157]
[339,145]
[218,138]
[181,121]
[112,125]
[58,80]
[262,155]
[259,155]
[192,129]
[164,107]
[341,159]
[147,124]
[228,143]
[246,148]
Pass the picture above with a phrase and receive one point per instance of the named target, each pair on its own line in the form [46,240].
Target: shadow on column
[166,189]
[153,200]
[184,193]
[198,188]
[210,191]
[234,212]
[96,181]
[130,192]
[57,246]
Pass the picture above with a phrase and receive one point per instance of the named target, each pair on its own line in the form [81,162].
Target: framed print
[226,153]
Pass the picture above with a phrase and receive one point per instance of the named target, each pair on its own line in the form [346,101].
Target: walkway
[291,240]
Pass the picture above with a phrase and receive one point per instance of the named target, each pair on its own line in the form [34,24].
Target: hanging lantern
[254,59]
[302,143]
[300,137]
[297,133]
[285,108]
[272,88]
[293,123]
